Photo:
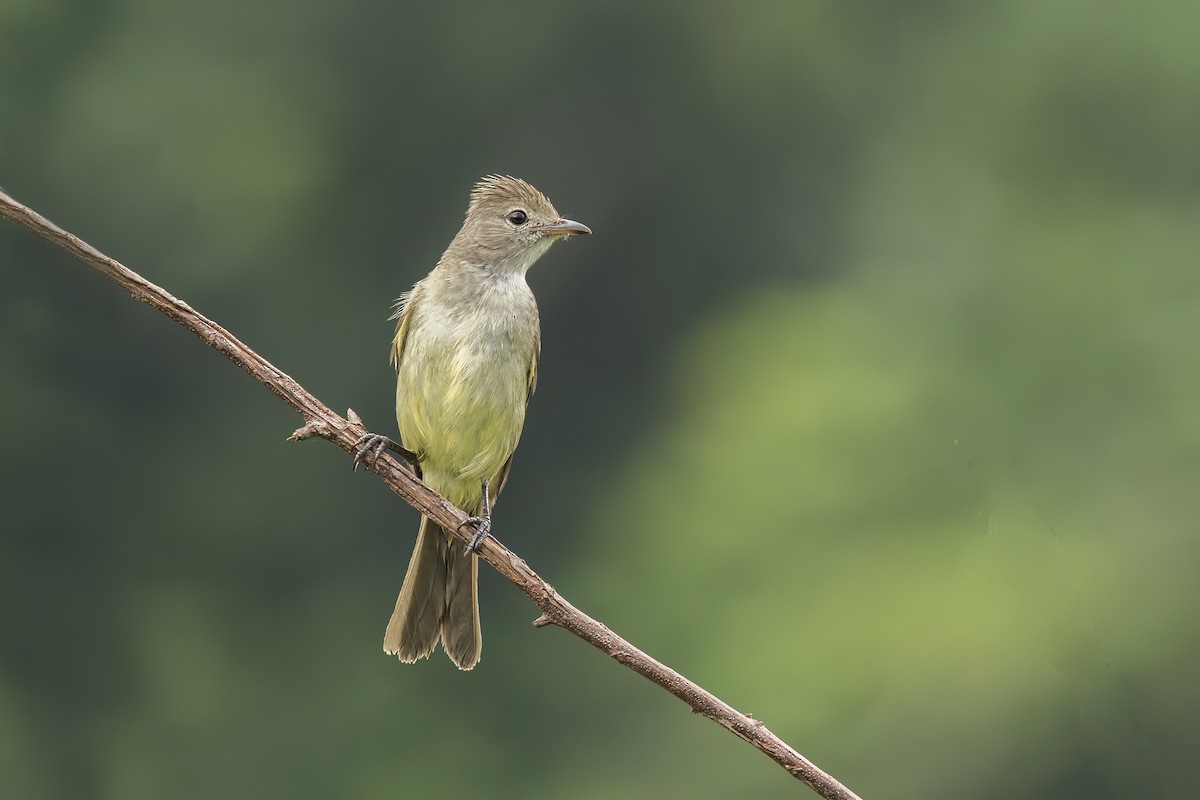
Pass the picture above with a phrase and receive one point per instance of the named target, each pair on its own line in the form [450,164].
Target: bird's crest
[505,189]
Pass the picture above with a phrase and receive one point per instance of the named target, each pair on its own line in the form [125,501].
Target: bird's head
[509,225]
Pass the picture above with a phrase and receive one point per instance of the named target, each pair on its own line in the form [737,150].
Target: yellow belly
[461,406]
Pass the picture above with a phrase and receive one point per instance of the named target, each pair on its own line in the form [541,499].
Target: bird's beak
[565,227]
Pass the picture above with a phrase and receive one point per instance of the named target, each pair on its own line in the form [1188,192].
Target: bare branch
[321,421]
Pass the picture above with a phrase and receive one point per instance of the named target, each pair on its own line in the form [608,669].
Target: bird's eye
[516,217]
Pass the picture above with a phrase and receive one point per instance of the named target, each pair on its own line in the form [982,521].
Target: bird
[466,352]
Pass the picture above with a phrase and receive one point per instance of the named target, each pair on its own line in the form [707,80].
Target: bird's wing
[533,364]
[502,477]
[403,315]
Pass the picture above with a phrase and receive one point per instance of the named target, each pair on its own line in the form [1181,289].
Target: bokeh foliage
[874,399]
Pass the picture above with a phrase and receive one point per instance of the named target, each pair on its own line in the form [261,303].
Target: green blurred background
[873,400]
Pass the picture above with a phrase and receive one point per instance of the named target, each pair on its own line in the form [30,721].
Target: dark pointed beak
[565,227]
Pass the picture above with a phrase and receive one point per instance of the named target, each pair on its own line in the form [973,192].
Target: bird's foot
[372,444]
[483,529]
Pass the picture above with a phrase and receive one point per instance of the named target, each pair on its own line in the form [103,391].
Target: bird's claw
[483,529]
[372,444]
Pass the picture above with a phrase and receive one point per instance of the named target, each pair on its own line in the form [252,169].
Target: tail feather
[415,626]
[439,600]
[461,635]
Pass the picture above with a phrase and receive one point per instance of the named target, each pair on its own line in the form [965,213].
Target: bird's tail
[439,600]
[461,636]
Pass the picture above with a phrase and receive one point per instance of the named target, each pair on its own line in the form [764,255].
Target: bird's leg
[373,444]
[482,523]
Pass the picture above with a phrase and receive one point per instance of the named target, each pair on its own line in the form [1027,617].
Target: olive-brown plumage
[466,354]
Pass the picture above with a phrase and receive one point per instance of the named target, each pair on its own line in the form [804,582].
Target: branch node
[353,418]
[309,430]
[542,621]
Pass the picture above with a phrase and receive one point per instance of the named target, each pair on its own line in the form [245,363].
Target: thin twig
[321,421]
